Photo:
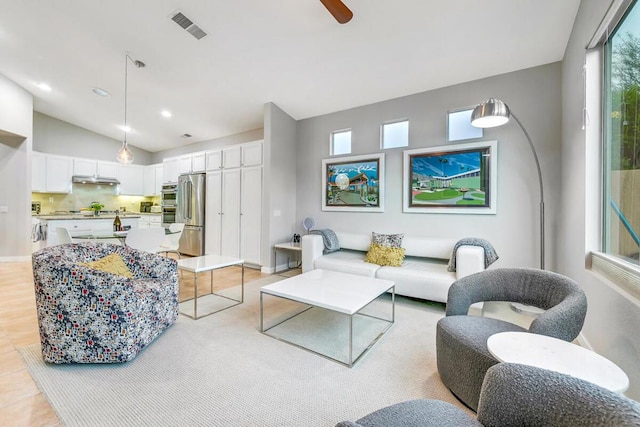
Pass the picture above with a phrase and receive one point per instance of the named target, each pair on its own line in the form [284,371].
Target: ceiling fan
[338,10]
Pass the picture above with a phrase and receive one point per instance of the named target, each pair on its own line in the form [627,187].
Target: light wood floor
[21,402]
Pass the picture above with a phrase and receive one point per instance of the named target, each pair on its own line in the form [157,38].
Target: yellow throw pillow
[110,264]
[383,255]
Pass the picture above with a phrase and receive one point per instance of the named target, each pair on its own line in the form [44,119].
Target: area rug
[220,370]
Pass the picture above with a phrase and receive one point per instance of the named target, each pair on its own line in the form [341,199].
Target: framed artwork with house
[353,184]
[460,179]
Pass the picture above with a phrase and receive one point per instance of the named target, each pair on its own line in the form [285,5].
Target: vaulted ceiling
[290,52]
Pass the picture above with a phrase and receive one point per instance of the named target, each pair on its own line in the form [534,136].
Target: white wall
[16,107]
[55,136]
[613,320]
[280,180]
[534,94]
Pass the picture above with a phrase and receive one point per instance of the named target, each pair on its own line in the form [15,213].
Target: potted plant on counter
[96,208]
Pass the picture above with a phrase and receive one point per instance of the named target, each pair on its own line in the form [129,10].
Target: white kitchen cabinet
[107,169]
[214,160]
[198,162]
[252,153]
[231,157]
[223,213]
[84,167]
[170,170]
[58,172]
[153,180]
[184,164]
[150,221]
[251,214]
[234,213]
[131,180]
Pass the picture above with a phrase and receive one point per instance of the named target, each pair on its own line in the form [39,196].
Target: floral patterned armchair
[90,316]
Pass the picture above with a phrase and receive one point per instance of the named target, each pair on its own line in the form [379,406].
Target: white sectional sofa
[422,275]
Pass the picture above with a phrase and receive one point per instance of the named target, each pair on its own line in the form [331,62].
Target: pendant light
[125,155]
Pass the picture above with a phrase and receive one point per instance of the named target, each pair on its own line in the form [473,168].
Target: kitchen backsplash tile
[82,196]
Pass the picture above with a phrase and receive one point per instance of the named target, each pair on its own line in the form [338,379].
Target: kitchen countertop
[52,217]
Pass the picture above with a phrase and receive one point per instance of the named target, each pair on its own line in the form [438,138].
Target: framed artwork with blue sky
[353,184]
[460,178]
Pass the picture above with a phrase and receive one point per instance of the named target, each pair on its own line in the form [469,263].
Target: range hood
[89,179]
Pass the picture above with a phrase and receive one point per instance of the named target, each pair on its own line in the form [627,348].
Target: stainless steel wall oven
[169,204]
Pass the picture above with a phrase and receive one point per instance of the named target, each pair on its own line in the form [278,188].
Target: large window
[622,139]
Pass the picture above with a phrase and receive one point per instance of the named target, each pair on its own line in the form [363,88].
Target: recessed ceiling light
[43,86]
[126,128]
[166,113]
[100,92]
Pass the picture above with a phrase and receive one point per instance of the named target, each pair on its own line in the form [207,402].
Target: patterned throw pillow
[388,240]
[110,264]
[385,255]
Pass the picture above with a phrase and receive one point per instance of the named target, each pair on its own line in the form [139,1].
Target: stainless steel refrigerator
[191,203]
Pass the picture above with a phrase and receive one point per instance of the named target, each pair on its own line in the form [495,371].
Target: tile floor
[21,402]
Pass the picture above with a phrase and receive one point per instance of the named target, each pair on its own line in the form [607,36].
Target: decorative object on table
[115,317]
[353,184]
[96,207]
[463,357]
[517,395]
[125,155]
[493,113]
[295,240]
[459,125]
[459,179]
[308,224]
[117,224]
[490,254]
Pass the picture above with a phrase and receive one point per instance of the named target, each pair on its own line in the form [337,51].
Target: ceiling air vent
[188,25]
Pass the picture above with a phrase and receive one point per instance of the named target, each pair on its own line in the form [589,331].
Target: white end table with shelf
[290,247]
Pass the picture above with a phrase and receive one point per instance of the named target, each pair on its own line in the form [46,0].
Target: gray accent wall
[16,116]
[534,94]
[613,319]
[54,136]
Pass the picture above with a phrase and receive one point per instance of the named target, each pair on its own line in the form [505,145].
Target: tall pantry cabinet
[234,202]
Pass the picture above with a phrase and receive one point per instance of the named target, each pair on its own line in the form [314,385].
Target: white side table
[557,355]
[290,247]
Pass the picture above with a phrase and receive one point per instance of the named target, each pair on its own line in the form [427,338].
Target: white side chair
[63,235]
[172,241]
[145,239]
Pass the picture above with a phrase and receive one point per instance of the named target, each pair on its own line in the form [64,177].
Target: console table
[290,247]
[557,355]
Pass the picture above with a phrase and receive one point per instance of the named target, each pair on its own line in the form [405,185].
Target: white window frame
[332,150]
[393,122]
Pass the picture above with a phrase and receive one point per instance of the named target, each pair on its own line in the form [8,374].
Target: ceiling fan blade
[338,10]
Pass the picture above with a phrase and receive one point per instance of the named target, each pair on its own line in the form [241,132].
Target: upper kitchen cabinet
[153,180]
[50,173]
[131,180]
[84,167]
[170,170]
[231,157]
[252,153]
[214,160]
[191,163]
[107,169]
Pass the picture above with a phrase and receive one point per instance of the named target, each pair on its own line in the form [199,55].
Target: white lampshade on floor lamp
[493,113]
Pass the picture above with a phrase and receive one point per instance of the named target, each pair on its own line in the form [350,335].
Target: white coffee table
[209,263]
[557,355]
[339,292]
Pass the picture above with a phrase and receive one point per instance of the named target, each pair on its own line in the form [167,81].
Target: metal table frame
[228,263]
[351,360]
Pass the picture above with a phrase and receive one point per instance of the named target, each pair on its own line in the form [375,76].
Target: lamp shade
[489,114]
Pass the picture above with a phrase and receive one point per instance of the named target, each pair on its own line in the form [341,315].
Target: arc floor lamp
[493,113]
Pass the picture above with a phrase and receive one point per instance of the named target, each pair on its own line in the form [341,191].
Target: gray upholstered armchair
[517,395]
[461,340]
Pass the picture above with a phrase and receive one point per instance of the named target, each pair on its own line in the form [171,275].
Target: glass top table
[103,235]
